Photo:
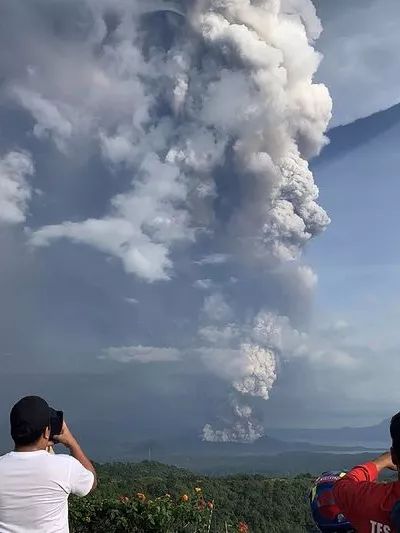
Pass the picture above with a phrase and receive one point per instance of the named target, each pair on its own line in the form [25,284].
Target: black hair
[395,516]
[28,438]
[395,433]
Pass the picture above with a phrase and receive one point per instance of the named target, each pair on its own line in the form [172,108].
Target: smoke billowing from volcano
[214,118]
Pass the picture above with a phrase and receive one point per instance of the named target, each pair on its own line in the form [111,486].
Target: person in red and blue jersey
[370,506]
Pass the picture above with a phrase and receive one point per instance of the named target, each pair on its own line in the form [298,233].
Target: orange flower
[243,527]
[210,505]
[141,496]
[185,498]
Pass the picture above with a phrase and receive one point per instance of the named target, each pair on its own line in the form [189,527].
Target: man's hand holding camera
[66,438]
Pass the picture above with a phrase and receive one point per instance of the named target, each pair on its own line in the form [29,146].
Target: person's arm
[76,451]
[350,490]
[384,461]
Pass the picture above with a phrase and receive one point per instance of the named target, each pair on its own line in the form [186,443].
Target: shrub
[139,514]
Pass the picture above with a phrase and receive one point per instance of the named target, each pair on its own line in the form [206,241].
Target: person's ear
[46,433]
[395,460]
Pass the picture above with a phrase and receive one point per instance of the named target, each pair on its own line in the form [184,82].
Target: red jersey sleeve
[348,490]
[365,503]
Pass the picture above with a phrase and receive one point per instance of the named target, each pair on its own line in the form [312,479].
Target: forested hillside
[150,496]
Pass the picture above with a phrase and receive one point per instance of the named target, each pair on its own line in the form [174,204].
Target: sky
[166,267]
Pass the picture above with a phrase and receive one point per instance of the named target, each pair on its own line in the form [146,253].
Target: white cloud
[222,335]
[216,308]
[353,360]
[15,191]
[132,301]
[142,354]
[49,119]
[143,225]
[204,284]
[224,362]
[213,259]
[331,347]
[360,43]
[307,278]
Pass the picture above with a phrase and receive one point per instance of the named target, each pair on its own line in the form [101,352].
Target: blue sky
[358,188]
[135,292]
[360,64]
[357,259]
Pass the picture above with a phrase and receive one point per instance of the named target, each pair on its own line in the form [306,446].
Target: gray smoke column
[238,77]
[243,429]
[249,356]
[230,86]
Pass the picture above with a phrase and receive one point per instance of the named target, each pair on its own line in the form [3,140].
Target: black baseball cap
[395,429]
[28,419]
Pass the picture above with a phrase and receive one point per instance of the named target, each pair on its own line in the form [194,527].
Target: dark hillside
[263,504]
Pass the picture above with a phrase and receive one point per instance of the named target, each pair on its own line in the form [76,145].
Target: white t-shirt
[34,489]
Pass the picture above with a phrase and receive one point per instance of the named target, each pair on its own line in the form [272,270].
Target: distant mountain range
[369,436]
[196,447]
[344,139]
[170,450]
[188,447]
[113,445]
[267,455]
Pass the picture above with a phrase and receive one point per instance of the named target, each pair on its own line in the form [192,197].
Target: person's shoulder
[60,463]
[61,459]
[10,456]
[64,460]
[6,461]
[5,455]
[61,456]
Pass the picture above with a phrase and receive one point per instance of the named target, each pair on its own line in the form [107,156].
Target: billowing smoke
[249,356]
[214,118]
[244,428]
[15,192]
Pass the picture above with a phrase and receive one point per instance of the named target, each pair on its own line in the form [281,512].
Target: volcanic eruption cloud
[211,108]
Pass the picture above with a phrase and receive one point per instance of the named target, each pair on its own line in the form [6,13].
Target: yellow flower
[197,489]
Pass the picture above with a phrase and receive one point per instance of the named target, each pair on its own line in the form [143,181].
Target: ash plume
[242,428]
[224,94]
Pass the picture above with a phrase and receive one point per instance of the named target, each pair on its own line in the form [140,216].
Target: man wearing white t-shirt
[35,484]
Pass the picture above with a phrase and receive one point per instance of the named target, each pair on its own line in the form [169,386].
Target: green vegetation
[152,497]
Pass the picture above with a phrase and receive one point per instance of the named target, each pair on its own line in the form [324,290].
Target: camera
[56,422]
